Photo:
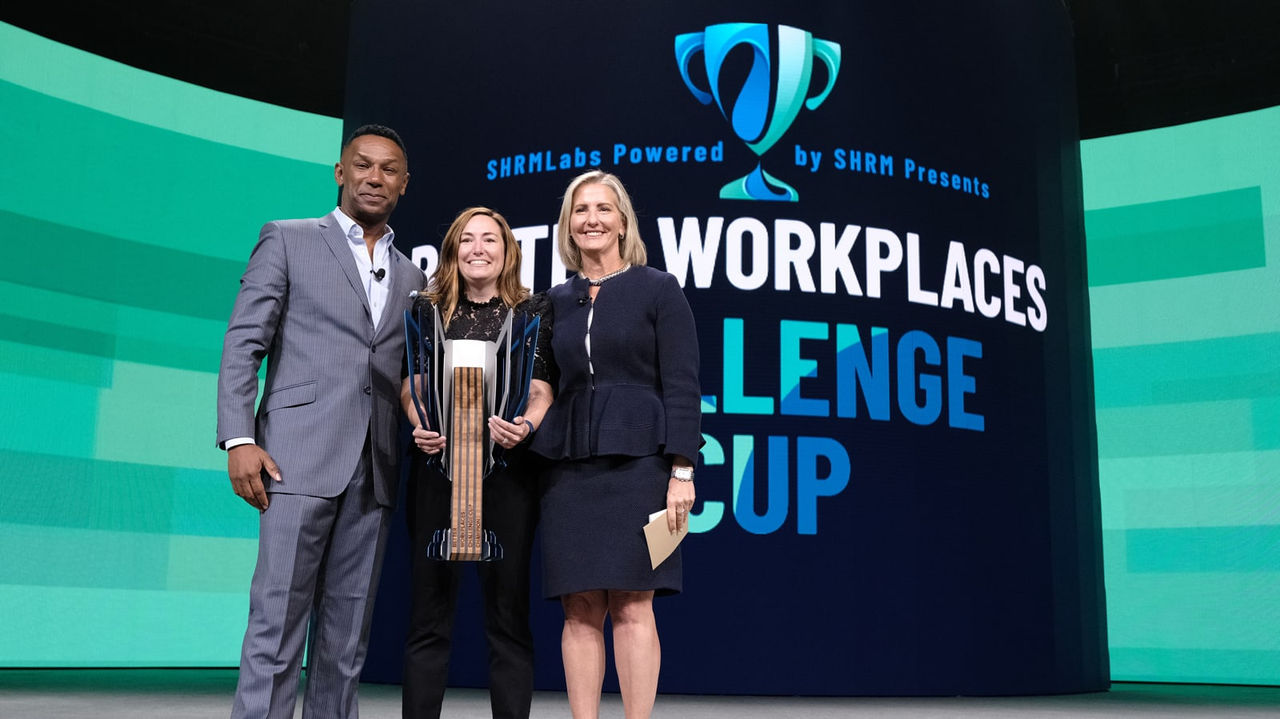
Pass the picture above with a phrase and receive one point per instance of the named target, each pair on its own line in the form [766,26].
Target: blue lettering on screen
[744,485]
[913,377]
[919,393]
[861,371]
[823,470]
[793,368]
[809,486]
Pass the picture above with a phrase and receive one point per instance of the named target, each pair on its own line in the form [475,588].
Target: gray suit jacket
[331,378]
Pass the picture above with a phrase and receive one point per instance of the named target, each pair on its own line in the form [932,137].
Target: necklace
[601,280]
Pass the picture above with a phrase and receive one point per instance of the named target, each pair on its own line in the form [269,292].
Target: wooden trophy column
[466,461]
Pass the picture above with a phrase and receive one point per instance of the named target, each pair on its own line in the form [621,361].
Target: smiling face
[481,256]
[595,222]
[373,174]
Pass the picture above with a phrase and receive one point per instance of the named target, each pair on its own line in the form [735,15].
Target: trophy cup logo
[768,102]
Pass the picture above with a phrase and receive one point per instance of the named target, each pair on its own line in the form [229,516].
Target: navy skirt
[593,516]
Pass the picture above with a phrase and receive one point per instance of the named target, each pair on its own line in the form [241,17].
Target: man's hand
[245,464]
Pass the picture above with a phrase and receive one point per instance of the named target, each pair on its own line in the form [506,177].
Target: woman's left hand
[680,496]
[508,434]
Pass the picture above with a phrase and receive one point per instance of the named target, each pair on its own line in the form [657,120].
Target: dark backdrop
[947,558]
[1140,63]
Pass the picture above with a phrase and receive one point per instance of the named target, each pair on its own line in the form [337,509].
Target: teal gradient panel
[52,555]
[1196,666]
[192,346]
[29,359]
[37,420]
[1183,231]
[1181,237]
[26,331]
[1266,425]
[152,186]
[158,352]
[1204,549]
[59,307]
[88,494]
[73,492]
[85,326]
[204,505]
[122,271]
[1216,494]
[1199,370]
[83,79]
[68,626]
[121,543]
[172,408]
[1161,430]
[211,564]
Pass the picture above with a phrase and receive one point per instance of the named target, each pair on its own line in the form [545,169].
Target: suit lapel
[331,231]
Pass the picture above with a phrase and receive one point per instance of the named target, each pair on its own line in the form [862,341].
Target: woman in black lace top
[477,280]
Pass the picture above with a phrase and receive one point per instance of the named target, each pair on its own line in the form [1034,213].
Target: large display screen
[875,213]
[128,208]
[1184,270]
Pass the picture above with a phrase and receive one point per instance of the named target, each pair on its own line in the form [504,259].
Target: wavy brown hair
[443,289]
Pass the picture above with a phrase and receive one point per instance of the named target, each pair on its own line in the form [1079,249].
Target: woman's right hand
[428,441]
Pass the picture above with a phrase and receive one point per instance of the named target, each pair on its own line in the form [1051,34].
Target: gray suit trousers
[318,565]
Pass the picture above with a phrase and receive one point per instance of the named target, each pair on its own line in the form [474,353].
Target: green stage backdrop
[1183,228]
[128,209]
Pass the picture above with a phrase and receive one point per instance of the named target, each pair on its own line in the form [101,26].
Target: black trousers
[511,511]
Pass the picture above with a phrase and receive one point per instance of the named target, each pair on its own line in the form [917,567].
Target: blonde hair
[630,246]
[443,289]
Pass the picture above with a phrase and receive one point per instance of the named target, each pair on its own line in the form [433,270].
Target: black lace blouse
[483,321]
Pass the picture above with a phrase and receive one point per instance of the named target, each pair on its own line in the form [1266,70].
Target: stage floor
[206,694]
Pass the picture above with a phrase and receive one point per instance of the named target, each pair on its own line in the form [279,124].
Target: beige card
[660,539]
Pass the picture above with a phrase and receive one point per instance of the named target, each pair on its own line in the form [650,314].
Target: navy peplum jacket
[644,397]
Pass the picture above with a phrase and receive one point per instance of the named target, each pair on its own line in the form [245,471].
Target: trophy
[456,385]
[768,102]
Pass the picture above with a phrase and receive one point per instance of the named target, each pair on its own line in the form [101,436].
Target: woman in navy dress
[623,436]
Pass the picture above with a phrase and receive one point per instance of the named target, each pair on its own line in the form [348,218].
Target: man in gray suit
[321,300]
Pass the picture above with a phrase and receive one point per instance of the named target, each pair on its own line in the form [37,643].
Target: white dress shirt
[374,289]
